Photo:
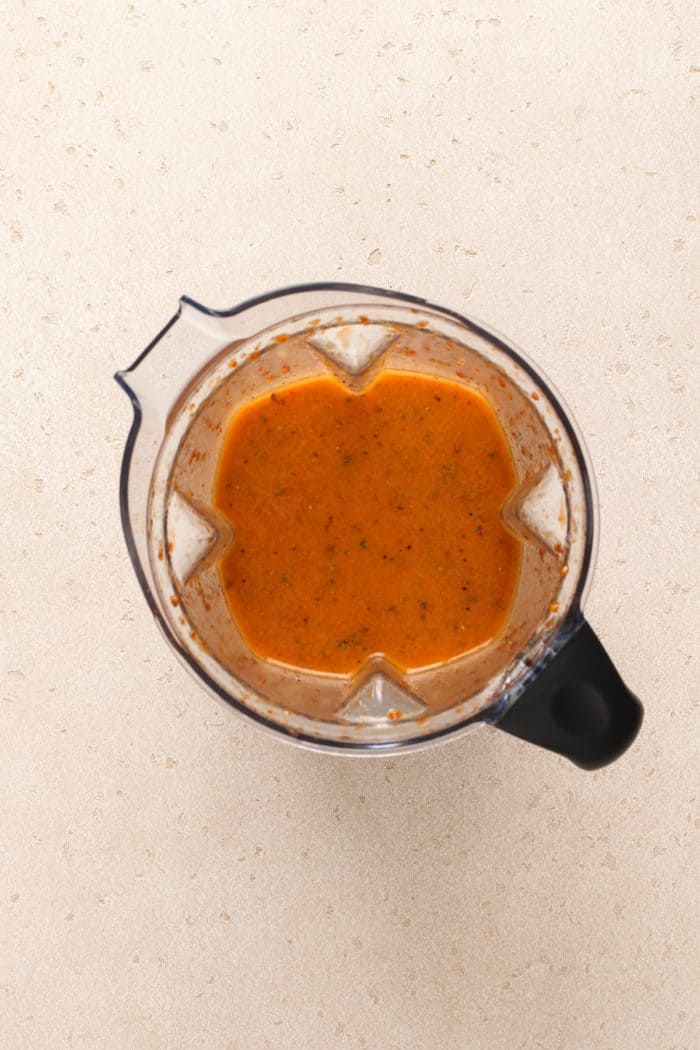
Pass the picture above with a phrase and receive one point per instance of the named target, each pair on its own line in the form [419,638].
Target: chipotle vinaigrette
[367,522]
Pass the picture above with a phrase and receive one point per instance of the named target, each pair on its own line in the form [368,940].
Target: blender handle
[577,705]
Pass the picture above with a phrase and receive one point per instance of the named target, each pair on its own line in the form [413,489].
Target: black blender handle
[577,705]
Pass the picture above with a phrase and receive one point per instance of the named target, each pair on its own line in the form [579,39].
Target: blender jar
[545,677]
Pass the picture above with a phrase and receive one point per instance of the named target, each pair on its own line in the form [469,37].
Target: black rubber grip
[577,705]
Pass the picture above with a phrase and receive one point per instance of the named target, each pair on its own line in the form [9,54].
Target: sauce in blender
[367,522]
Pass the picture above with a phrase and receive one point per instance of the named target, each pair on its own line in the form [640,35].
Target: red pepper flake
[421,324]
[233,362]
[174,600]
[281,338]
[362,319]
[554,607]
[286,369]
[160,552]
[534,396]
[394,715]
[460,375]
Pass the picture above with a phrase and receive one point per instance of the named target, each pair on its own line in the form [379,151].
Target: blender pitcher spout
[154,383]
[184,346]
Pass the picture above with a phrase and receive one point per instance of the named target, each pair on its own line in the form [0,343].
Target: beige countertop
[169,876]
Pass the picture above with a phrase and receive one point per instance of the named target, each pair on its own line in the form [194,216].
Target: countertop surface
[169,876]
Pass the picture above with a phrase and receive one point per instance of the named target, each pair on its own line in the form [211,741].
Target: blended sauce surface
[367,522]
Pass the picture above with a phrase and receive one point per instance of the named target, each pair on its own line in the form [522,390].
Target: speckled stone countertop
[170,877]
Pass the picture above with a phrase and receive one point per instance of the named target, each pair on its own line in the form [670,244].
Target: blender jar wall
[185,387]
[188,536]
